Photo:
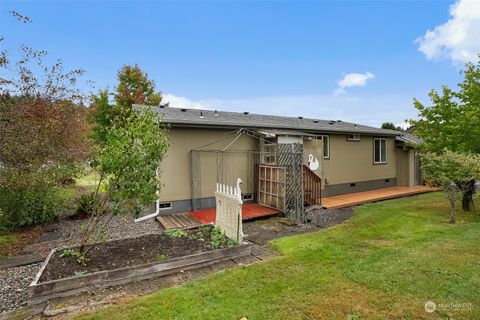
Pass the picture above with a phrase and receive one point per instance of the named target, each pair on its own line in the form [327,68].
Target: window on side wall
[353,137]
[379,150]
[326,147]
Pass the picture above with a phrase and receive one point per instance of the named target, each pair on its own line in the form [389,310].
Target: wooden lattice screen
[271,186]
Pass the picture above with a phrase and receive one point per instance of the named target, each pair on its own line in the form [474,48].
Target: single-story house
[209,146]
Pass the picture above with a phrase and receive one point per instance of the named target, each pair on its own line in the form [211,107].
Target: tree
[453,122]
[127,164]
[451,171]
[391,126]
[42,134]
[134,87]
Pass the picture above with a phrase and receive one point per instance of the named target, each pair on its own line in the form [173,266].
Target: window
[326,147]
[165,205]
[247,197]
[353,137]
[268,149]
[379,150]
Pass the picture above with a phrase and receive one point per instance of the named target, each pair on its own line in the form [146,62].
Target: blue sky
[351,60]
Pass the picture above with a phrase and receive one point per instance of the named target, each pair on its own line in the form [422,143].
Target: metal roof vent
[355,125]
[201,115]
[216,113]
[184,109]
[331,122]
[246,112]
[300,118]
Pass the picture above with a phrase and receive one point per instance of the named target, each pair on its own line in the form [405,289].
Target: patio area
[352,199]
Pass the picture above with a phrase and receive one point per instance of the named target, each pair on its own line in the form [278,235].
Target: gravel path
[14,283]
[121,226]
[325,218]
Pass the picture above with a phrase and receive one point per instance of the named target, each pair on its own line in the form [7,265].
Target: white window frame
[327,156]
[165,205]
[380,151]
[354,137]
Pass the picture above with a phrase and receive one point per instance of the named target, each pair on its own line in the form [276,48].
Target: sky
[356,61]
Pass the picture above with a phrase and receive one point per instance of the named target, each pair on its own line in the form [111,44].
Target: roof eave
[196,124]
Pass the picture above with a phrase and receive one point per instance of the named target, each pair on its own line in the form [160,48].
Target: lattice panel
[271,186]
[290,156]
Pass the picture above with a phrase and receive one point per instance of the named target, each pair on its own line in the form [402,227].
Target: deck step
[178,221]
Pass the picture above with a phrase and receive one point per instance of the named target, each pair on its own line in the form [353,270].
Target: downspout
[157,205]
[151,215]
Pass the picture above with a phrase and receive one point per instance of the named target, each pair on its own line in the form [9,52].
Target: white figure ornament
[313,162]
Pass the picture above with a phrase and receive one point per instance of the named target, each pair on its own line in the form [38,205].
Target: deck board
[178,221]
[249,211]
[352,199]
[196,218]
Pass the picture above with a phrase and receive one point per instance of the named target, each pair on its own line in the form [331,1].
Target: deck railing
[312,187]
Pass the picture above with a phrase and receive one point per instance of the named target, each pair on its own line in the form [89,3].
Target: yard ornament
[313,162]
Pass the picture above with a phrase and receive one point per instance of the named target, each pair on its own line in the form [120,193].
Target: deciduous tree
[42,131]
[451,171]
[452,121]
[127,164]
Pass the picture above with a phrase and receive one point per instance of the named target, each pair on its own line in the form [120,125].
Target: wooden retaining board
[44,291]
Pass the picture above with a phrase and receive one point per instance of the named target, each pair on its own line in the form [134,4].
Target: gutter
[260,127]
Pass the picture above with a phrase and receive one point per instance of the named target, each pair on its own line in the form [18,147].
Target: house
[266,152]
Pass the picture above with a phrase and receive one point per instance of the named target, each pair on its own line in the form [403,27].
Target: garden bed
[122,261]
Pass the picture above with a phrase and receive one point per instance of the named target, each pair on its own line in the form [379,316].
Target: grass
[83,184]
[384,263]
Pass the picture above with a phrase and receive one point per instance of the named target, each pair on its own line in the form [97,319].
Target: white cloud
[353,80]
[459,38]
[182,102]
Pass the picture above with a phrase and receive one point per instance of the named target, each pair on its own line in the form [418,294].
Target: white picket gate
[228,201]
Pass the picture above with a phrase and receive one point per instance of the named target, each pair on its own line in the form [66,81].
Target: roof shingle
[211,118]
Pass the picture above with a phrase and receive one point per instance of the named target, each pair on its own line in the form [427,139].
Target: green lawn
[384,263]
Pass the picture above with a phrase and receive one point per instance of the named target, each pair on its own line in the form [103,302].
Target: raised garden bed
[122,261]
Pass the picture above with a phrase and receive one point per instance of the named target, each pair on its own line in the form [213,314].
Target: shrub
[176,233]
[29,205]
[219,240]
[84,205]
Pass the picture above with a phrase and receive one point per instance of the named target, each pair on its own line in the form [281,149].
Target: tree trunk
[452,213]
[467,199]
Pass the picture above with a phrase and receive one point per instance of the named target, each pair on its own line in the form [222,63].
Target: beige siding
[405,167]
[175,169]
[353,161]
[349,162]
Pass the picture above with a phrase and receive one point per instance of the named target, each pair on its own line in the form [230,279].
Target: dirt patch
[325,218]
[21,239]
[136,251]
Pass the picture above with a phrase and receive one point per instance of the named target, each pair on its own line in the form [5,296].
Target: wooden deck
[196,218]
[249,211]
[178,221]
[352,199]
